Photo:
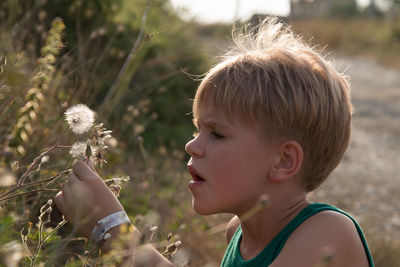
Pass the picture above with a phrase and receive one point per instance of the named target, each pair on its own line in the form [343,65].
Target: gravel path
[366,183]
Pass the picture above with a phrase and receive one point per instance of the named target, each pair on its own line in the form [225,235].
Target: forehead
[214,116]
[208,113]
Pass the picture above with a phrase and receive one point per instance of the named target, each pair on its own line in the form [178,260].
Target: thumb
[91,165]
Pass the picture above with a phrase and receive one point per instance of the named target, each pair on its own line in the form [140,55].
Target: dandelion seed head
[112,142]
[98,154]
[80,118]
[78,150]
[264,200]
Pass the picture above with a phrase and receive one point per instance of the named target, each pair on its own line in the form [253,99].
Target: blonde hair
[274,79]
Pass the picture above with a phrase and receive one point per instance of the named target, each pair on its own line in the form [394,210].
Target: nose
[194,147]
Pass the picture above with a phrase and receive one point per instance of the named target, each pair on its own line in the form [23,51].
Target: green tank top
[233,257]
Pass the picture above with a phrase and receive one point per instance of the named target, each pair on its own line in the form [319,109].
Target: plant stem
[45,180]
[20,183]
[128,60]
[55,229]
[39,246]
[28,192]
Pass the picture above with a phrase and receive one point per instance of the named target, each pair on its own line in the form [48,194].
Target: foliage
[57,53]
[344,9]
[98,38]
[40,77]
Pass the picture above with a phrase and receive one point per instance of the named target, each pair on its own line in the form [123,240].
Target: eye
[217,135]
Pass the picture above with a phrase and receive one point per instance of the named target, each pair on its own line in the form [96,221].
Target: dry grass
[373,38]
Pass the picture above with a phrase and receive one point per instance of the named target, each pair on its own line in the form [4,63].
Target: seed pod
[88,151]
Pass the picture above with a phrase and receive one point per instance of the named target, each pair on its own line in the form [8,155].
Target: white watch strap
[107,223]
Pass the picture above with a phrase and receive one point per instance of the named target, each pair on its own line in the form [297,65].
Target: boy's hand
[85,198]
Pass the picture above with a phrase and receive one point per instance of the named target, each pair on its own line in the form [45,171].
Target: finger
[72,178]
[62,205]
[66,192]
[83,170]
[91,165]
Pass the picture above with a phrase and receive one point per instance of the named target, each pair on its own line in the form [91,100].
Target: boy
[273,119]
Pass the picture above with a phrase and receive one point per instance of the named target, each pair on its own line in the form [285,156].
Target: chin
[203,209]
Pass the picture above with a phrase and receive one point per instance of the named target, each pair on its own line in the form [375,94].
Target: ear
[288,163]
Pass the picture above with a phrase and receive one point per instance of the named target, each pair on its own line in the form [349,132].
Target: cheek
[250,163]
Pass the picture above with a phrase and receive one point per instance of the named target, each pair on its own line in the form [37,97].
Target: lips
[194,173]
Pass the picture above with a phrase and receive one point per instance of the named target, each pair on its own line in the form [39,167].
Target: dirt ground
[366,182]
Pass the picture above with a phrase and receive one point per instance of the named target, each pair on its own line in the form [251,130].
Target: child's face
[229,164]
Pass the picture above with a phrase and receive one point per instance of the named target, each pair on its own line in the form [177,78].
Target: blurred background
[137,63]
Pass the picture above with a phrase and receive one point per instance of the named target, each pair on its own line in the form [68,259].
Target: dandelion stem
[39,245]
[263,200]
[24,240]
[217,229]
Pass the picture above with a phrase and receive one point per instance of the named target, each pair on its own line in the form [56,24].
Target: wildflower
[45,211]
[171,248]
[111,142]
[80,118]
[100,135]
[119,180]
[44,159]
[153,229]
[98,155]
[116,189]
[78,150]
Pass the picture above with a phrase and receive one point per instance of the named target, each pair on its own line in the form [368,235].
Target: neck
[261,228]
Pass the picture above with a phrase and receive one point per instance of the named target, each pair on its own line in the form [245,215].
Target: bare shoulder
[326,235]
[231,227]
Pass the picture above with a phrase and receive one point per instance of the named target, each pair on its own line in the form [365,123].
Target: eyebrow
[211,123]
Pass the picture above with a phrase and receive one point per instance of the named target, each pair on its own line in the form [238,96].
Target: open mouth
[196,177]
